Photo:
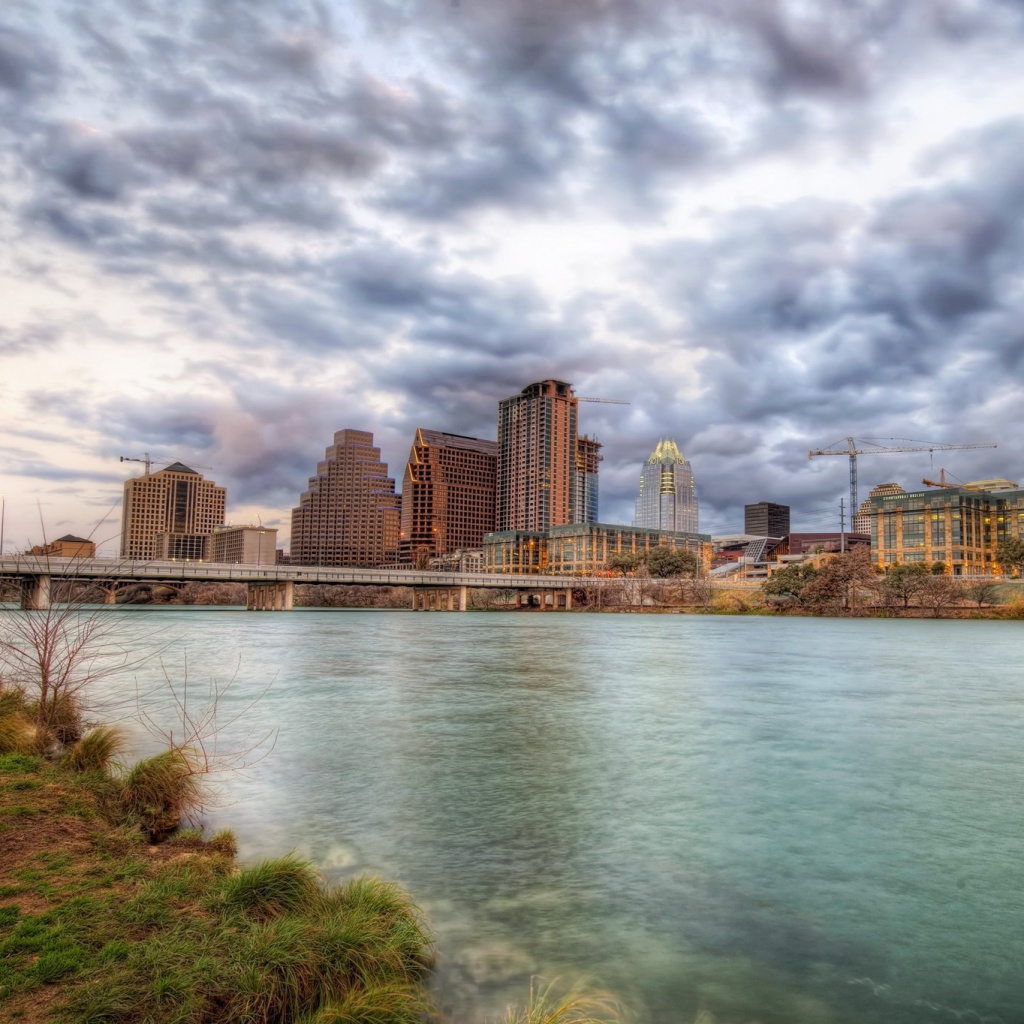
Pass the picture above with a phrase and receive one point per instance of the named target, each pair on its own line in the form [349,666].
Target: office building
[667,498]
[766,519]
[350,513]
[537,458]
[246,545]
[958,526]
[582,549]
[448,495]
[862,519]
[170,514]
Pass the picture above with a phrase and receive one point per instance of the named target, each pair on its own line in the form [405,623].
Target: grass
[161,790]
[98,926]
[550,1006]
[95,752]
[18,734]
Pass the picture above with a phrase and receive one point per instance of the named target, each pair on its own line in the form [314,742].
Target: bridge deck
[22,566]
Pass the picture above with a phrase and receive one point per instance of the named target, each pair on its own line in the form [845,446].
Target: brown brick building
[350,513]
[448,495]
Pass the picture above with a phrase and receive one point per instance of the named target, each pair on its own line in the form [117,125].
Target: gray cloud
[318,192]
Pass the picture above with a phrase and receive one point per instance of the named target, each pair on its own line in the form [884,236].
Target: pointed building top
[666,452]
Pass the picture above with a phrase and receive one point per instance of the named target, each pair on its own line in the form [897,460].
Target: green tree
[790,581]
[665,564]
[902,583]
[1010,554]
[623,563]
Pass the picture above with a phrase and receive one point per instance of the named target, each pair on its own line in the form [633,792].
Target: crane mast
[870,446]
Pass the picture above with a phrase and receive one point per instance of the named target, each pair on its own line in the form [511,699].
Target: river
[776,820]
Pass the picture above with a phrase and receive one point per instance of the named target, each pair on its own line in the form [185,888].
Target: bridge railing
[129,569]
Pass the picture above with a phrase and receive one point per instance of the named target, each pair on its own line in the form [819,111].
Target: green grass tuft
[95,752]
[19,764]
[161,790]
[274,887]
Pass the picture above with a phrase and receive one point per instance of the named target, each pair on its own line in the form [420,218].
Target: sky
[229,229]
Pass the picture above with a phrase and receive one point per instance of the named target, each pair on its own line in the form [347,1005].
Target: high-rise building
[588,455]
[537,458]
[170,514]
[350,513]
[447,495]
[667,499]
[766,519]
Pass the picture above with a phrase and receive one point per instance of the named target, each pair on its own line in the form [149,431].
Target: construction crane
[870,446]
[605,401]
[148,461]
[943,482]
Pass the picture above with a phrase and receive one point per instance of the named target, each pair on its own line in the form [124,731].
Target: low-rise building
[582,549]
[248,545]
[67,546]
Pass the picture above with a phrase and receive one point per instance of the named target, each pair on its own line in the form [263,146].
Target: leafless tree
[941,592]
[54,657]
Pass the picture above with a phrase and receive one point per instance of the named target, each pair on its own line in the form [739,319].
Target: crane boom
[855,447]
[605,401]
[149,460]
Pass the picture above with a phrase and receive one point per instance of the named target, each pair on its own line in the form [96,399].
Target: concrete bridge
[272,587]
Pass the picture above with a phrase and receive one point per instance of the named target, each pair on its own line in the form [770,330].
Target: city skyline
[231,231]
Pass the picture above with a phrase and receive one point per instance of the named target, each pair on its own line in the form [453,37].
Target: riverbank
[97,924]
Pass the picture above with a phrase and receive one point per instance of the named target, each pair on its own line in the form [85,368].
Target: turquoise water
[773,820]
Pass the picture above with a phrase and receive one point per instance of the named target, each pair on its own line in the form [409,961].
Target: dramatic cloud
[232,229]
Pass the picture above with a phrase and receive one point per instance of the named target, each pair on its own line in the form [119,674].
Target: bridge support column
[568,599]
[35,593]
[110,596]
[463,598]
[270,597]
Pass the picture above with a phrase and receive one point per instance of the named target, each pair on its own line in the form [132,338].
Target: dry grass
[551,1005]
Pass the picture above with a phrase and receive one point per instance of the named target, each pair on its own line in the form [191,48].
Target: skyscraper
[447,494]
[170,514]
[350,513]
[537,452]
[766,519]
[667,500]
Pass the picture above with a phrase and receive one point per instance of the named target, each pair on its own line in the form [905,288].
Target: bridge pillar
[568,599]
[463,598]
[35,593]
[270,597]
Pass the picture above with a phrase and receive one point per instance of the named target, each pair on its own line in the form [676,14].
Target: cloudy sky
[230,229]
